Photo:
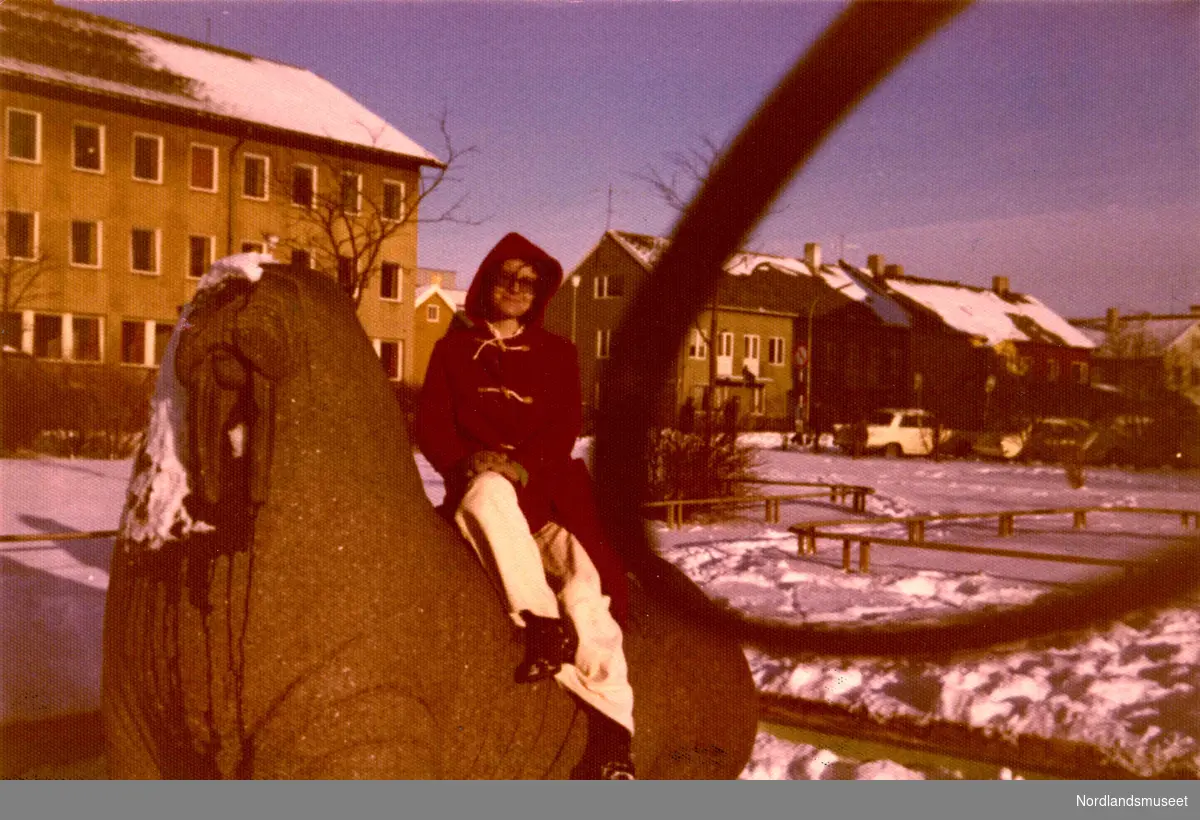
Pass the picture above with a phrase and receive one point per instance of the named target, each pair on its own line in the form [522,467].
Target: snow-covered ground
[1132,688]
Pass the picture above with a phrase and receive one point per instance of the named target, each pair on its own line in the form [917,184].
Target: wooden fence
[836,493]
[808,532]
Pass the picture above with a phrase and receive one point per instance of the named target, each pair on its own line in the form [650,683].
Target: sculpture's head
[237,345]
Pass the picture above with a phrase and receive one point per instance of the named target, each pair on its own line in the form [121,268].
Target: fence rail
[809,532]
[837,493]
[58,536]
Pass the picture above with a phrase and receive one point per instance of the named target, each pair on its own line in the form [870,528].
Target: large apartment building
[131,159]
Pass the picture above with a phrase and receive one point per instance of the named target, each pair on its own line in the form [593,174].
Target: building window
[1053,369]
[603,343]
[133,342]
[203,168]
[351,192]
[87,144]
[11,330]
[301,259]
[304,186]
[162,336]
[1079,372]
[433,313]
[253,246]
[147,157]
[200,255]
[20,235]
[24,135]
[697,347]
[85,338]
[144,250]
[389,356]
[725,345]
[393,201]
[775,350]
[390,278]
[751,347]
[254,176]
[345,273]
[85,244]
[47,336]
[608,287]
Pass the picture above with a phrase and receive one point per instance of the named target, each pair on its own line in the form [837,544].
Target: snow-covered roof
[455,298]
[980,312]
[84,51]
[648,249]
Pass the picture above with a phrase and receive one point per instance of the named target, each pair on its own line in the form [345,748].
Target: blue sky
[1057,144]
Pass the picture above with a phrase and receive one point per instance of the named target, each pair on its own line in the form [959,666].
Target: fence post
[1006,524]
[1080,519]
[846,566]
[864,557]
[916,531]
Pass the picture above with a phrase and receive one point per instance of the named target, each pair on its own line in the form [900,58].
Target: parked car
[1041,440]
[1144,441]
[894,432]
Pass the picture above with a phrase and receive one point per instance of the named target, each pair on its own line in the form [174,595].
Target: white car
[895,432]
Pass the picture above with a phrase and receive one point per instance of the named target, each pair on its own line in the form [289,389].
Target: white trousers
[528,563]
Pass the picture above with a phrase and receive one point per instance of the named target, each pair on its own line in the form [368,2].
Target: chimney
[1000,285]
[812,256]
[875,264]
[896,271]
[1112,319]
[435,279]
[1195,310]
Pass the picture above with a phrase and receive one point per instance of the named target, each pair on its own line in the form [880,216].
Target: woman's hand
[484,460]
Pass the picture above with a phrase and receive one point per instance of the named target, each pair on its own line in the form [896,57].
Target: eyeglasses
[515,283]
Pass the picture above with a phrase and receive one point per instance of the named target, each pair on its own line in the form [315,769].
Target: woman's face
[513,289]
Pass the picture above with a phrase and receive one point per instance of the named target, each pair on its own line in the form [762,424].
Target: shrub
[690,465]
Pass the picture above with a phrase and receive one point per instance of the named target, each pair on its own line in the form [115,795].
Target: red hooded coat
[518,396]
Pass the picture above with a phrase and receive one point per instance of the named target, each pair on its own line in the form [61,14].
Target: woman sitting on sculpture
[499,415]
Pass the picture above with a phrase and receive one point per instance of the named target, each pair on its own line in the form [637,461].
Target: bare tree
[346,229]
[20,280]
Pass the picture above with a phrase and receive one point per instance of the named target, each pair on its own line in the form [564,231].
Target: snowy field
[1132,688]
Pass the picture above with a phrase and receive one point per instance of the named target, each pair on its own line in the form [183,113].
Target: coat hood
[514,246]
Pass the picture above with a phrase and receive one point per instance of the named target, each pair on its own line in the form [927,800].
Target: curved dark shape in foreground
[332,624]
[858,50]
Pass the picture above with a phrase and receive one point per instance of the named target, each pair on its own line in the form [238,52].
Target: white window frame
[751,347]
[399,343]
[36,159]
[210,243]
[358,186]
[312,176]
[399,282]
[215,153]
[402,190]
[34,239]
[157,234]
[62,337]
[603,343]
[266,176]
[100,139]
[71,347]
[602,288]
[725,353]
[97,244]
[776,350]
[158,157]
[697,347]
[433,312]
